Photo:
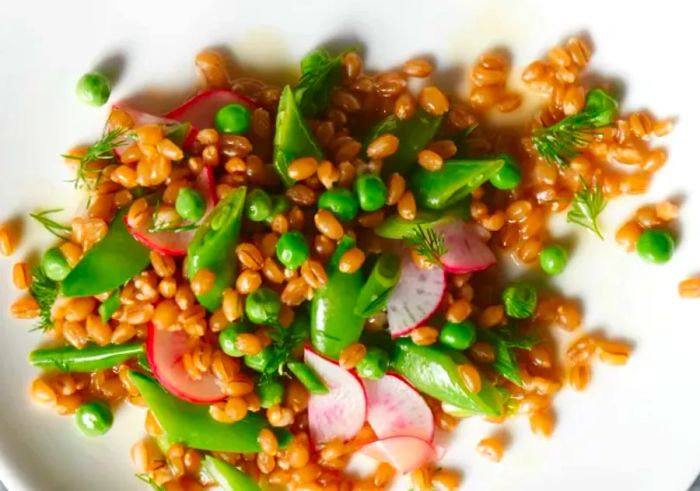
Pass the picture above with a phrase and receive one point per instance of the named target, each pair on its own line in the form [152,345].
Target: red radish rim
[452,268]
[145,240]
[195,99]
[428,316]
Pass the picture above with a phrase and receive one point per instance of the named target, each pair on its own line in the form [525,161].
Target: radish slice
[340,413]
[404,453]
[201,109]
[467,250]
[140,118]
[395,408]
[164,350]
[175,243]
[416,296]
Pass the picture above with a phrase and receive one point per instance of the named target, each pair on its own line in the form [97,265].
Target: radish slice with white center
[395,408]
[404,453]
[164,350]
[200,110]
[416,296]
[340,413]
[467,250]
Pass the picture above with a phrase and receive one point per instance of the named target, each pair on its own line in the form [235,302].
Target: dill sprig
[588,203]
[427,243]
[51,225]
[101,150]
[150,481]
[320,72]
[44,290]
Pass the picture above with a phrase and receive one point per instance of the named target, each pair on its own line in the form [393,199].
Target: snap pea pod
[397,227]
[228,477]
[413,134]
[379,285]
[110,305]
[456,180]
[293,138]
[88,359]
[308,377]
[192,425]
[109,264]
[433,370]
[334,324]
[213,247]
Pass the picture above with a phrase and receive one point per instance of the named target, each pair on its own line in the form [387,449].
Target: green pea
[258,205]
[459,336]
[190,204]
[508,177]
[260,361]
[341,201]
[227,338]
[271,392]
[553,259]
[374,364]
[262,306]
[655,245]
[520,300]
[371,191]
[94,418]
[55,264]
[602,106]
[292,249]
[93,88]
[280,204]
[232,118]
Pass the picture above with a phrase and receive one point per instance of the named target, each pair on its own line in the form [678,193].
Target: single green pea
[271,392]
[227,338]
[459,336]
[258,205]
[55,264]
[94,418]
[232,118]
[508,177]
[280,204]
[341,201]
[259,361]
[374,364]
[262,306]
[292,249]
[371,192]
[190,204]
[93,88]
[553,259]
[520,300]
[602,106]
[655,245]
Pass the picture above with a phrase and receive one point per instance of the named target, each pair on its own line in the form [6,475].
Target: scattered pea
[227,338]
[292,249]
[341,201]
[371,192]
[94,418]
[655,245]
[508,177]
[258,205]
[93,88]
[262,306]
[55,264]
[190,204]
[374,364]
[232,118]
[259,361]
[553,259]
[459,336]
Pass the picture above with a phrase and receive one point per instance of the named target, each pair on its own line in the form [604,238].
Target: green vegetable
[55,265]
[232,118]
[374,364]
[101,150]
[459,336]
[178,133]
[341,201]
[150,481]
[396,227]
[453,182]
[379,285]
[504,341]
[192,425]
[262,306]
[320,72]
[94,418]
[586,206]
[87,359]
[428,243]
[60,230]
[655,245]
[261,361]
[270,391]
[553,259]
[280,204]
[508,177]
[190,204]
[520,300]
[44,290]
[307,376]
[109,264]
[334,324]
[293,138]
[228,477]
[109,306]
[292,249]
[93,89]
[258,205]
[285,340]
[227,338]
[371,192]
[213,246]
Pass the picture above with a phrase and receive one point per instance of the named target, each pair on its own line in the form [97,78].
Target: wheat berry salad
[288,278]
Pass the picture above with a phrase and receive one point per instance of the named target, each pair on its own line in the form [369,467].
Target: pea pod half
[397,227]
[228,477]
[109,264]
[379,285]
[88,359]
[192,425]
[213,246]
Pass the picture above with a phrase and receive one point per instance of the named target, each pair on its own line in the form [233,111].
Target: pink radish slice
[140,118]
[164,350]
[404,453]
[467,249]
[175,243]
[416,296]
[341,412]
[201,109]
[395,408]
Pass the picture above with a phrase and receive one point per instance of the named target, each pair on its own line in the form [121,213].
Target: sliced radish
[175,243]
[404,453]
[201,109]
[140,118]
[164,350]
[340,413]
[395,408]
[416,296]
[467,250]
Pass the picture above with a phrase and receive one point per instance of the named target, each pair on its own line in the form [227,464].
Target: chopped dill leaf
[427,243]
[51,225]
[44,290]
[101,150]
[587,204]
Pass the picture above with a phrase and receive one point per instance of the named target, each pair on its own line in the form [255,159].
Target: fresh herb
[520,300]
[504,341]
[320,72]
[51,225]
[563,140]
[587,204]
[284,340]
[44,290]
[150,481]
[101,150]
[427,243]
